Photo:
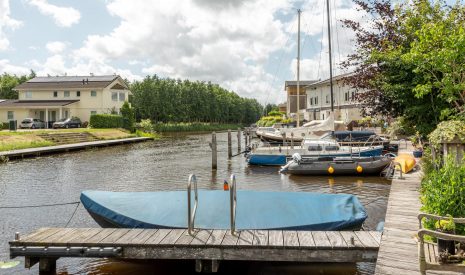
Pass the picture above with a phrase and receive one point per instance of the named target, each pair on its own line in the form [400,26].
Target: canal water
[155,166]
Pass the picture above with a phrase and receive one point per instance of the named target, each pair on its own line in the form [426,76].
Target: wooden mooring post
[292,140]
[229,145]
[238,140]
[214,152]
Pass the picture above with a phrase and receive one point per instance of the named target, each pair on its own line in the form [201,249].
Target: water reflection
[152,166]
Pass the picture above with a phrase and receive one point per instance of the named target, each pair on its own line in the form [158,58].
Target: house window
[353,95]
[10,115]
[114,96]
[93,93]
[327,98]
[316,100]
[55,94]
[66,94]
[122,97]
[311,101]
[29,94]
[66,113]
[346,96]
[78,93]
[93,113]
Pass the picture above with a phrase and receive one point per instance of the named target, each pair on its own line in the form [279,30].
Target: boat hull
[366,166]
[255,210]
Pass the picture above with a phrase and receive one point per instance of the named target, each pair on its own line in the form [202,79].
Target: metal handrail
[233,203]
[395,163]
[190,212]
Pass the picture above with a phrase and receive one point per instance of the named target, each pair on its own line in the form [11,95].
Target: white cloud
[6,22]
[63,16]
[56,47]
[6,66]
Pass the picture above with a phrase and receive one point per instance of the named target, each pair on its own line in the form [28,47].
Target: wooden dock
[46,245]
[34,152]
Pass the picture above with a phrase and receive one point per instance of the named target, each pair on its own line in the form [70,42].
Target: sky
[246,46]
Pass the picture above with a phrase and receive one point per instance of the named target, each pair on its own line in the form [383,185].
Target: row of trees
[410,61]
[170,100]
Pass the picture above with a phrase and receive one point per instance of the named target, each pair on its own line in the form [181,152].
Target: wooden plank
[202,237]
[216,237]
[158,236]
[229,239]
[126,239]
[42,235]
[75,234]
[33,234]
[186,238]
[321,239]
[305,239]
[99,236]
[376,236]
[351,239]
[366,239]
[245,238]
[275,238]
[291,238]
[143,236]
[80,238]
[336,239]
[59,236]
[173,236]
[115,235]
[260,238]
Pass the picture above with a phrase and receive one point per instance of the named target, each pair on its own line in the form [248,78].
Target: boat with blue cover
[254,210]
[310,148]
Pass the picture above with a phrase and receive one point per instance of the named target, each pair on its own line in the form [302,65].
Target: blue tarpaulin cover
[255,209]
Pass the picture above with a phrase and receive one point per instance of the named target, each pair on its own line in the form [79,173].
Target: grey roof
[302,83]
[36,103]
[68,82]
[326,81]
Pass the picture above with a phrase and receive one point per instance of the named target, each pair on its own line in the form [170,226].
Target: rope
[37,206]
[72,216]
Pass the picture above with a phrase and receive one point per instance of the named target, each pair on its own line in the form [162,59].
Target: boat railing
[191,212]
[233,203]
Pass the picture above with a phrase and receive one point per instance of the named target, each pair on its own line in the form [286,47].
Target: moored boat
[336,166]
[254,210]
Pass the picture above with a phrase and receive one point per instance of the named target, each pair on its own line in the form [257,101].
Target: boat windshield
[314,148]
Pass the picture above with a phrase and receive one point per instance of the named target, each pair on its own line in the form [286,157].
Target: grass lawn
[29,138]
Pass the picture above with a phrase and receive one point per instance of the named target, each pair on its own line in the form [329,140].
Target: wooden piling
[238,140]
[292,140]
[284,138]
[214,152]
[229,145]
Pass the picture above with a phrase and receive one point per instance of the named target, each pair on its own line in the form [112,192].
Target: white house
[54,97]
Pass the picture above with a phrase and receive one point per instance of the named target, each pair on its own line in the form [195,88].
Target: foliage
[5,126]
[193,127]
[400,127]
[170,100]
[276,113]
[447,131]
[410,61]
[140,133]
[8,82]
[270,108]
[7,146]
[443,191]
[268,121]
[106,121]
[447,226]
[128,117]
[146,126]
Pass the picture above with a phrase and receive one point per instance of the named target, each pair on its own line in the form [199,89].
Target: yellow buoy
[359,169]
[330,169]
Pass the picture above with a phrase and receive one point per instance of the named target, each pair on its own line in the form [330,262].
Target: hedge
[106,121]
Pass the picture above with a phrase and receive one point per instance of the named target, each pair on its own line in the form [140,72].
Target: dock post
[214,151]
[292,140]
[229,145]
[47,265]
[238,140]
[284,138]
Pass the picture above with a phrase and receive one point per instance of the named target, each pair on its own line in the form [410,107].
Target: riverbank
[24,139]
[193,127]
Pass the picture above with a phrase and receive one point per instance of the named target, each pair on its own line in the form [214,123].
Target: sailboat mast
[330,58]
[298,68]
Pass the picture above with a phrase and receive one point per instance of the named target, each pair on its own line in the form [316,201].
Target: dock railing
[190,211]
[233,203]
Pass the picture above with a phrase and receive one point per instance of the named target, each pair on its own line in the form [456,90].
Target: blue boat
[255,210]
[274,156]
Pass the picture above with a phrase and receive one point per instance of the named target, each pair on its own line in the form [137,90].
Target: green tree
[128,117]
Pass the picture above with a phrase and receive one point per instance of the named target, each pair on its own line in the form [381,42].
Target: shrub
[5,126]
[128,117]
[106,121]
[443,192]
[447,131]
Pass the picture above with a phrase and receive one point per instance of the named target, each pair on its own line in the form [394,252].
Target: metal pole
[298,68]
[330,58]
[238,140]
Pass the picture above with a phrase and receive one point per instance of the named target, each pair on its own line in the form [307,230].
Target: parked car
[73,122]
[32,123]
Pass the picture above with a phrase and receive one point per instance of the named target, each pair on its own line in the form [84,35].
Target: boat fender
[330,169]
[297,157]
[225,185]
[359,169]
